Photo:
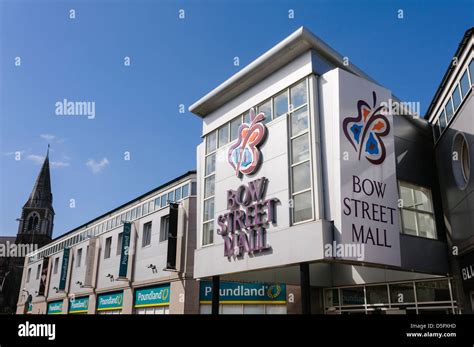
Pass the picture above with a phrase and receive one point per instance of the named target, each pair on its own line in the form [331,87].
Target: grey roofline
[278,56]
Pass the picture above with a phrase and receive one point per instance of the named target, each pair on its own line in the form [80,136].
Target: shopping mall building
[313,175]
[316,191]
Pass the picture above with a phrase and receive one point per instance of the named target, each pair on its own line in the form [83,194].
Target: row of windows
[162,201]
[146,241]
[292,101]
[461,89]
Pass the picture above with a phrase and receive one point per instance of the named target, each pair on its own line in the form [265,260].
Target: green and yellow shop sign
[79,305]
[152,296]
[110,301]
[55,307]
[244,293]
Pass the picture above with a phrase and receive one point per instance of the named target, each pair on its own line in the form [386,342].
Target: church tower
[37,217]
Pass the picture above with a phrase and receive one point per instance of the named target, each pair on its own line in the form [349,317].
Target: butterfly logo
[365,131]
[244,155]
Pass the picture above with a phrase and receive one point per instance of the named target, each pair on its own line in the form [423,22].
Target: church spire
[41,195]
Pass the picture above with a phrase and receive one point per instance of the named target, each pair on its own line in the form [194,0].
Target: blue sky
[173,61]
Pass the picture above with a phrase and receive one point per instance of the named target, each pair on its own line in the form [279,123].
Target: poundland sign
[156,296]
[244,293]
[79,305]
[110,301]
[55,307]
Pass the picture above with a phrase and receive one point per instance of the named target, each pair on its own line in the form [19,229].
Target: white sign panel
[369,194]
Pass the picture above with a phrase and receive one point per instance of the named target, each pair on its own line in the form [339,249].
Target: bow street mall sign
[244,226]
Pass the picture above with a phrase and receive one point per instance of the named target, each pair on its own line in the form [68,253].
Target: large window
[209,188]
[56,265]
[108,245]
[79,257]
[146,237]
[28,275]
[417,211]
[301,186]
[164,229]
[119,243]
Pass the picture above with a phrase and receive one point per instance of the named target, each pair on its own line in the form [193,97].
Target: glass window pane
[210,164]
[406,196]
[231,309]
[301,177]
[211,142]
[471,71]
[280,104]
[426,226]
[171,196]
[266,108]
[430,291]
[376,294]
[177,194]
[185,191]
[302,207]
[298,94]
[422,199]
[449,110]
[145,208]
[409,222]
[254,309]
[275,309]
[151,206]
[204,309]
[234,128]
[465,86]
[299,149]
[442,121]
[246,117]
[208,233]
[352,296]
[157,202]
[224,135]
[456,98]
[299,121]
[209,185]
[402,293]
[208,209]
[163,200]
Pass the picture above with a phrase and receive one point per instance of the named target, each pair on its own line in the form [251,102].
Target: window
[211,142]
[456,98]
[139,211]
[471,71]
[266,108]
[79,257]
[151,206]
[128,216]
[145,208]
[119,243]
[146,238]
[224,135]
[280,104]
[56,265]
[171,196]
[298,95]
[442,121]
[301,185]
[108,245]
[417,211]
[163,200]
[28,275]
[134,213]
[193,188]
[465,85]
[165,226]
[157,203]
[208,203]
[234,128]
[185,191]
[449,110]
[38,271]
[177,194]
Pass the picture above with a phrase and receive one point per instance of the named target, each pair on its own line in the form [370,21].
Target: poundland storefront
[152,300]
[110,303]
[300,184]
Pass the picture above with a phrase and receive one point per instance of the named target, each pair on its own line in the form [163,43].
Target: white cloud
[39,159]
[48,137]
[97,167]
